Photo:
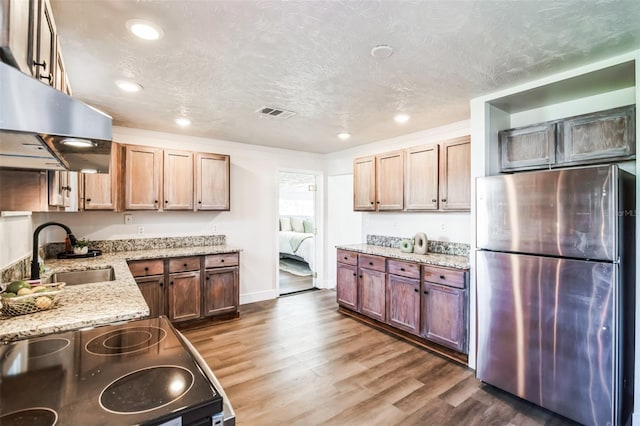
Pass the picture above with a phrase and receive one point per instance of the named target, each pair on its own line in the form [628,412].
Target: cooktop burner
[39,416]
[127,340]
[43,347]
[146,389]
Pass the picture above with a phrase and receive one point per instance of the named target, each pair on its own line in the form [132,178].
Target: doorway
[297,232]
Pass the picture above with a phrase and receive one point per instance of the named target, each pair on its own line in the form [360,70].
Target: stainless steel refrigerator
[555,289]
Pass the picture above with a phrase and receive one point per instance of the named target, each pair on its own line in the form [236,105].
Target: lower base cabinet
[403,305]
[190,288]
[443,316]
[372,294]
[152,289]
[183,296]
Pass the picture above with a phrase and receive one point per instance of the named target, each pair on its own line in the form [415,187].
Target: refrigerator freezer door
[567,213]
[546,332]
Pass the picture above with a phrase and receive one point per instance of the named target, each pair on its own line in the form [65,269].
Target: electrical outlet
[128,219]
[213,228]
[140,229]
[443,227]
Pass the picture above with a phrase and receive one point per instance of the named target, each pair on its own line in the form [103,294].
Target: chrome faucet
[35,267]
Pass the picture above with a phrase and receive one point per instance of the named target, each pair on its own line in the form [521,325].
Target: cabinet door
[444,316]
[526,148]
[390,181]
[143,177]
[184,296]
[212,182]
[23,190]
[364,184]
[221,291]
[101,190]
[44,58]
[421,177]
[455,175]
[152,289]
[59,189]
[347,286]
[15,33]
[372,291]
[403,303]
[602,135]
[178,180]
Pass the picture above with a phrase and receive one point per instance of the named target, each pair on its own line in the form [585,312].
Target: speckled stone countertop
[87,305]
[437,259]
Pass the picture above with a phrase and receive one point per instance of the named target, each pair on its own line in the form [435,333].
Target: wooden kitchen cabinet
[444,307]
[455,174]
[23,190]
[364,184]
[530,147]
[605,135]
[221,291]
[390,181]
[178,180]
[15,33]
[61,77]
[403,295]
[421,177]
[44,56]
[152,289]
[347,285]
[143,178]
[212,182]
[59,189]
[101,191]
[372,286]
[183,296]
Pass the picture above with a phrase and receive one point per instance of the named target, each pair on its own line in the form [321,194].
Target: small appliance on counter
[138,372]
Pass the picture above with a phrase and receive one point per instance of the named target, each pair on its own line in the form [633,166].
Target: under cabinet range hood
[43,128]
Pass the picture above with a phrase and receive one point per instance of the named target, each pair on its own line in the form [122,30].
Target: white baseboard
[258,296]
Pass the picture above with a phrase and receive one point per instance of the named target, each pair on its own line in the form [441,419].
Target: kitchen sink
[84,277]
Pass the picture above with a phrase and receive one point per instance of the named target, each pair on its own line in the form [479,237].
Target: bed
[294,242]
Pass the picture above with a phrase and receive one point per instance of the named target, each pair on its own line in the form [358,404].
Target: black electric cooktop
[138,372]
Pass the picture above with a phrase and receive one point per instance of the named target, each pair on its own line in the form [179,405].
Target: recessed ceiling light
[77,143]
[344,136]
[183,121]
[91,171]
[128,86]
[401,118]
[382,51]
[144,29]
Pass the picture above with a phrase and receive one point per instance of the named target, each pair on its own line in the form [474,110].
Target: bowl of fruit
[22,297]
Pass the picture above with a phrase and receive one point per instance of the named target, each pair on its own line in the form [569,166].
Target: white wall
[15,237]
[449,226]
[251,224]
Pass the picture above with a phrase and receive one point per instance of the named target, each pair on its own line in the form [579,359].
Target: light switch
[128,219]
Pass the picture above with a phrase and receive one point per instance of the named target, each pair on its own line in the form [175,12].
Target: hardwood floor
[290,283]
[297,361]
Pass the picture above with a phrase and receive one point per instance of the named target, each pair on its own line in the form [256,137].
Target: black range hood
[40,127]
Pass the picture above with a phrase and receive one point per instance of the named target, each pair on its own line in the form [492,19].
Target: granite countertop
[88,305]
[437,259]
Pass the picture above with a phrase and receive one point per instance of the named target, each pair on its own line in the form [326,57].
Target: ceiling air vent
[280,114]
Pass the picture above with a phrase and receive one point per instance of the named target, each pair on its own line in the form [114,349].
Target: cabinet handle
[444,200]
[377,202]
[146,269]
[199,202]
[433,200]
[49,78]
[42,64]
[360,276]
[426,292]
[155,202]
[402,269]
[354,274]
[372,203]
[442,277]
[206,278]
[371,263]
[171,283]
[161,285]
[416,290]
[184,265]
[345,258]
[88,200]
[221,260]
[165,201]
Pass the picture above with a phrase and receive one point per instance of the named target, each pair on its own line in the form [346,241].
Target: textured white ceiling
[219,61]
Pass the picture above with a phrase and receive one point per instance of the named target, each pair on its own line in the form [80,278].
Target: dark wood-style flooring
[297,361]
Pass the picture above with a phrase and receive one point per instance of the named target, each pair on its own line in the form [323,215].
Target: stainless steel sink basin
[84,277]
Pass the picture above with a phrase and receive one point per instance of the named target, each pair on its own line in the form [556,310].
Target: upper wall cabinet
[378,182]
[101,191]
[421,177]
[212,182]
[157,179]
[15,33]
[455,174]
[598,137]
[143,178]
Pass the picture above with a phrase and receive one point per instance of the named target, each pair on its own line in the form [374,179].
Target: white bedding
[305,250]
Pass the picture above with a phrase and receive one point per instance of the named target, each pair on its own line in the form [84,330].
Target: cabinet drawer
[219,260]
[348,257]
[445,276]
[182,264]
[367,261]
[405,269]
[143,268]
